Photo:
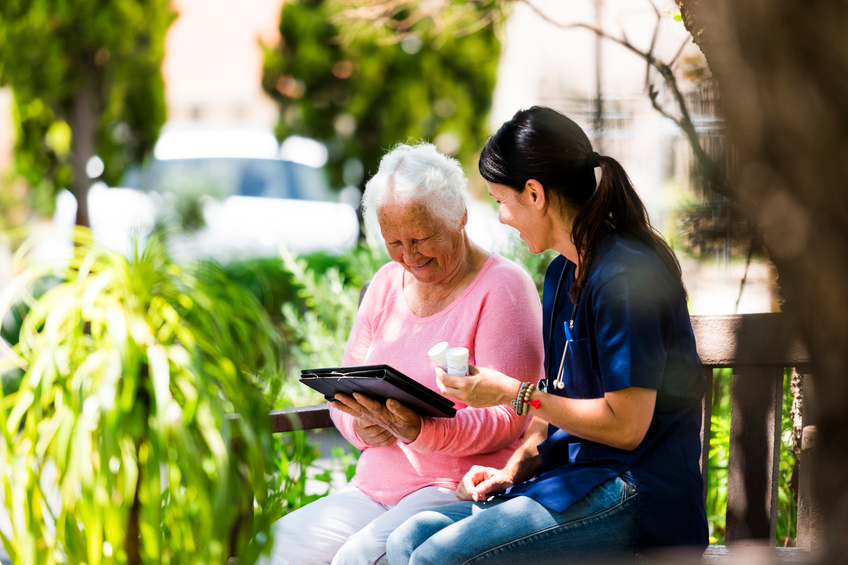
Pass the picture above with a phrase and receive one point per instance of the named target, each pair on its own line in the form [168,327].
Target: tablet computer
[379,382]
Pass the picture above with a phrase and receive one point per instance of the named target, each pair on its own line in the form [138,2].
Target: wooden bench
[757,347]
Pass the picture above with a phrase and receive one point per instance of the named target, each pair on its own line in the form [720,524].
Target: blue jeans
[599,528]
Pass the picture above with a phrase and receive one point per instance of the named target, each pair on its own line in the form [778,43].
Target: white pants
[346,527]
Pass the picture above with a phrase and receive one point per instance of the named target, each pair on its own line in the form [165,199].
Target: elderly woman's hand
[480,389]
[373,434]
[393,416]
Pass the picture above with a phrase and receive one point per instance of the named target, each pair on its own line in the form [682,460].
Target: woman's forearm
[525,461]
[618,419]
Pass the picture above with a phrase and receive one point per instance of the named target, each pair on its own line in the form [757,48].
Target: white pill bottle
[438,354]
[457,358]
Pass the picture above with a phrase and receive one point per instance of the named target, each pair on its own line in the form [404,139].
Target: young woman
[609,466]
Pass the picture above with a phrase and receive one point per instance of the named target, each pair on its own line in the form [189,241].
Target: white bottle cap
[437,354]
[457,358]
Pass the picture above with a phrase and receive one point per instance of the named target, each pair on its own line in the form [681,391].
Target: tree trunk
[132,541]
[83,121]
[782,72]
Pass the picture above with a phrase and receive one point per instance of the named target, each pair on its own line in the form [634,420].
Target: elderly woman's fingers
[384,439]
[368,403]
[360,406]
[404,423]
[373,434]
[349,405]
[403,412]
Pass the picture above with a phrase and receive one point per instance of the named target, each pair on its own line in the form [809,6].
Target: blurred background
[228,77]
[247,130]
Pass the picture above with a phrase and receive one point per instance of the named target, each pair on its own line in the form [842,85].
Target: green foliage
[787,493]
[360,91]
[717,481]
[294,456]
[313,299]
[297,454]
[42,149]
[318,330]
[268,279]
[117,445]
[54,53]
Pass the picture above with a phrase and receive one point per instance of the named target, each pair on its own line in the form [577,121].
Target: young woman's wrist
[521,469]
[523,397]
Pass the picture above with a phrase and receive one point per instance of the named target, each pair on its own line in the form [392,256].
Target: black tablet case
[379,382]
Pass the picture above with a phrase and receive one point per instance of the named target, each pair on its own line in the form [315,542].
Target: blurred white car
[238,193]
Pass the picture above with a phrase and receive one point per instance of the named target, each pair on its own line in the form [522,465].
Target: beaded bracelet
[518,403]
[528,392]
[523,397]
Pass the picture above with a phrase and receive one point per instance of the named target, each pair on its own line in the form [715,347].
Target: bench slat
[720,554]
[810,527]
[755,413]
[300,418]
[748,339]
[706,427]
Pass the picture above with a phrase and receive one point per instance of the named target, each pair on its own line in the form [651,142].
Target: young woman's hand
[523,464]
[480,389]
[399,420]
[479,481]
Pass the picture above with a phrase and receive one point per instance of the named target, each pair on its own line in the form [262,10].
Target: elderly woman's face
[426,247]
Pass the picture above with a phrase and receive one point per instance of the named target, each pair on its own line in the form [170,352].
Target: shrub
[118,445]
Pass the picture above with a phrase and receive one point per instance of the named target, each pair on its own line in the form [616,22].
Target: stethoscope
[569,337]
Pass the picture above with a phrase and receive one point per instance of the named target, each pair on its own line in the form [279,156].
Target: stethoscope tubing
[569,337]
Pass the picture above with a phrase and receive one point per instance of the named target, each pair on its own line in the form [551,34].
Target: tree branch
[709,168]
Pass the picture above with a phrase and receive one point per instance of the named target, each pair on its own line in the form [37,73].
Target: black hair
[542,144]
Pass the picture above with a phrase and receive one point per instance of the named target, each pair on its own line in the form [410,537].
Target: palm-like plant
[117,446]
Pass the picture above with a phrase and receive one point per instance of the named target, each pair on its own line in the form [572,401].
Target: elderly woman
[440,286]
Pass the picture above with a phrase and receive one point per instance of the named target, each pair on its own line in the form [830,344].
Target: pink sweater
[499,319]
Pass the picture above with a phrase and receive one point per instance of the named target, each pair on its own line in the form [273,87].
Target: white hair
[417,173]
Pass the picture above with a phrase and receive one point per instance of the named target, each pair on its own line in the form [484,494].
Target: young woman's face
[516,209]
[423,244]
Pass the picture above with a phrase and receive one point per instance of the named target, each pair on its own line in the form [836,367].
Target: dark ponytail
[542,144]
[615,206]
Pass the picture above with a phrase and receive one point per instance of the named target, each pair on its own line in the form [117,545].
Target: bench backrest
[757,347]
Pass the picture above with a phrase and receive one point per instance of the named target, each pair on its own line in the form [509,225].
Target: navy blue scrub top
[631,328]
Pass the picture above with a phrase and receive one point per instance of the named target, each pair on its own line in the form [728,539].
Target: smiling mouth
[421,266]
